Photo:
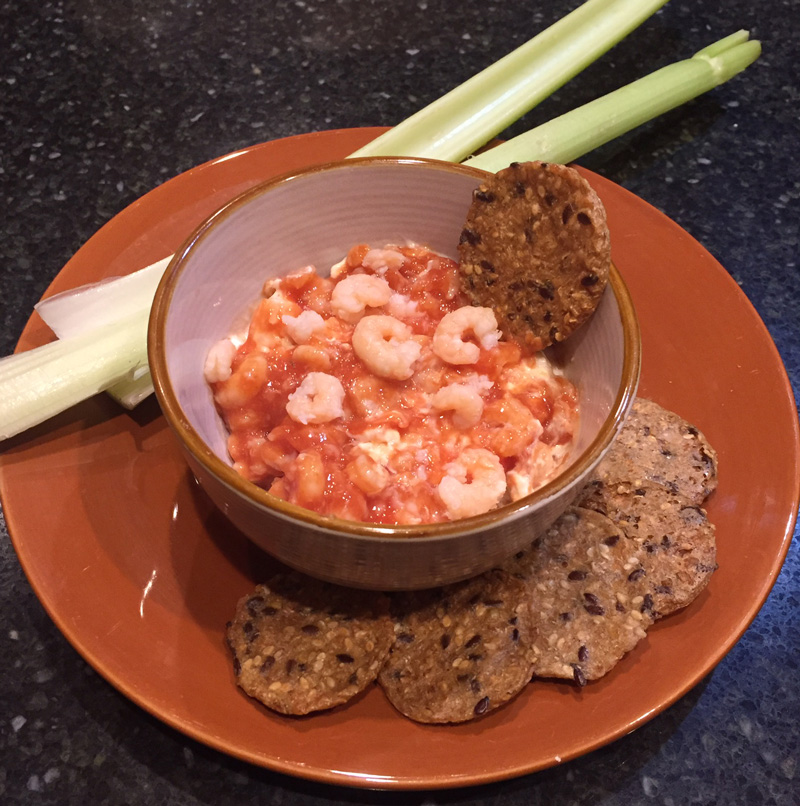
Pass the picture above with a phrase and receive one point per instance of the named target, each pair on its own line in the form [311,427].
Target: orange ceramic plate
[141,574]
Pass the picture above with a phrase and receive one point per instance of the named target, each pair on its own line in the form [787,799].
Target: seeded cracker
[301,645]
[460,651]
[586,611]
[657,445]
[535,248]
[676,542]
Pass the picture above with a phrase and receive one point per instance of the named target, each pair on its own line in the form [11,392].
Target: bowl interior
[314,218]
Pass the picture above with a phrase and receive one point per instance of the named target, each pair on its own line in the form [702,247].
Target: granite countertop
[101,102]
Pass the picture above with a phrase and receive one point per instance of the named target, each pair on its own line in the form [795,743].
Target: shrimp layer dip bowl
[344,403]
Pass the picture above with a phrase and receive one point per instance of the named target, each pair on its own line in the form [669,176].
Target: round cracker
[584,611]
[301,645]
[536,249]
[460,651]
[657,445]
[677,542]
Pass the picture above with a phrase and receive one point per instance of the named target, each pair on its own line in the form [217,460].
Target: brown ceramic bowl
[313,217]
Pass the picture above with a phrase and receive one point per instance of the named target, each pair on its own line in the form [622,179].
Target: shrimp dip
[380,394]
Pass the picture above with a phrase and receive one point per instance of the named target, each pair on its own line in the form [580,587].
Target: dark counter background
[101,101]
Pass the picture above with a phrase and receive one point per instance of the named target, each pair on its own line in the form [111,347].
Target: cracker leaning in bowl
[536,249]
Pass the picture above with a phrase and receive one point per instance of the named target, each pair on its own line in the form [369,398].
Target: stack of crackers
[636,547]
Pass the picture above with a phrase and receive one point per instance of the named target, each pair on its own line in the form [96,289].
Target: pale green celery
[570,136]
[130,392]
[40,383]
[73,312]
[88,307]
[468,117]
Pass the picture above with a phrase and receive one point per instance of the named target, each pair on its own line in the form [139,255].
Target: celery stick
[87,307]
[131,392]
[73,312]
[42,382]
[466,118]
[573,134]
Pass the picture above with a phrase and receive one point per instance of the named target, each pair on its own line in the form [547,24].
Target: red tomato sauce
[321,413]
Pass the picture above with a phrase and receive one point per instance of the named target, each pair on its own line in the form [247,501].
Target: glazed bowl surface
[313,217]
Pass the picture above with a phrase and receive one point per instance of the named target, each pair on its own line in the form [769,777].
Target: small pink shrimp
[448,339]
[475,483]
[317,400]
[303,326]
[357,292]
[386,346]
[463,400]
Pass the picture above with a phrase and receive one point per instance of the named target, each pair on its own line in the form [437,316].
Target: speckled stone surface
[102,101]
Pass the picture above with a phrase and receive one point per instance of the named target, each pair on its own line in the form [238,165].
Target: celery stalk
[573,134]
[464,119]
[73,312]
[47,380]
[130,392]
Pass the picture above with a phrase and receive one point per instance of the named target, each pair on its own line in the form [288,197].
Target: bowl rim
[197,447]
